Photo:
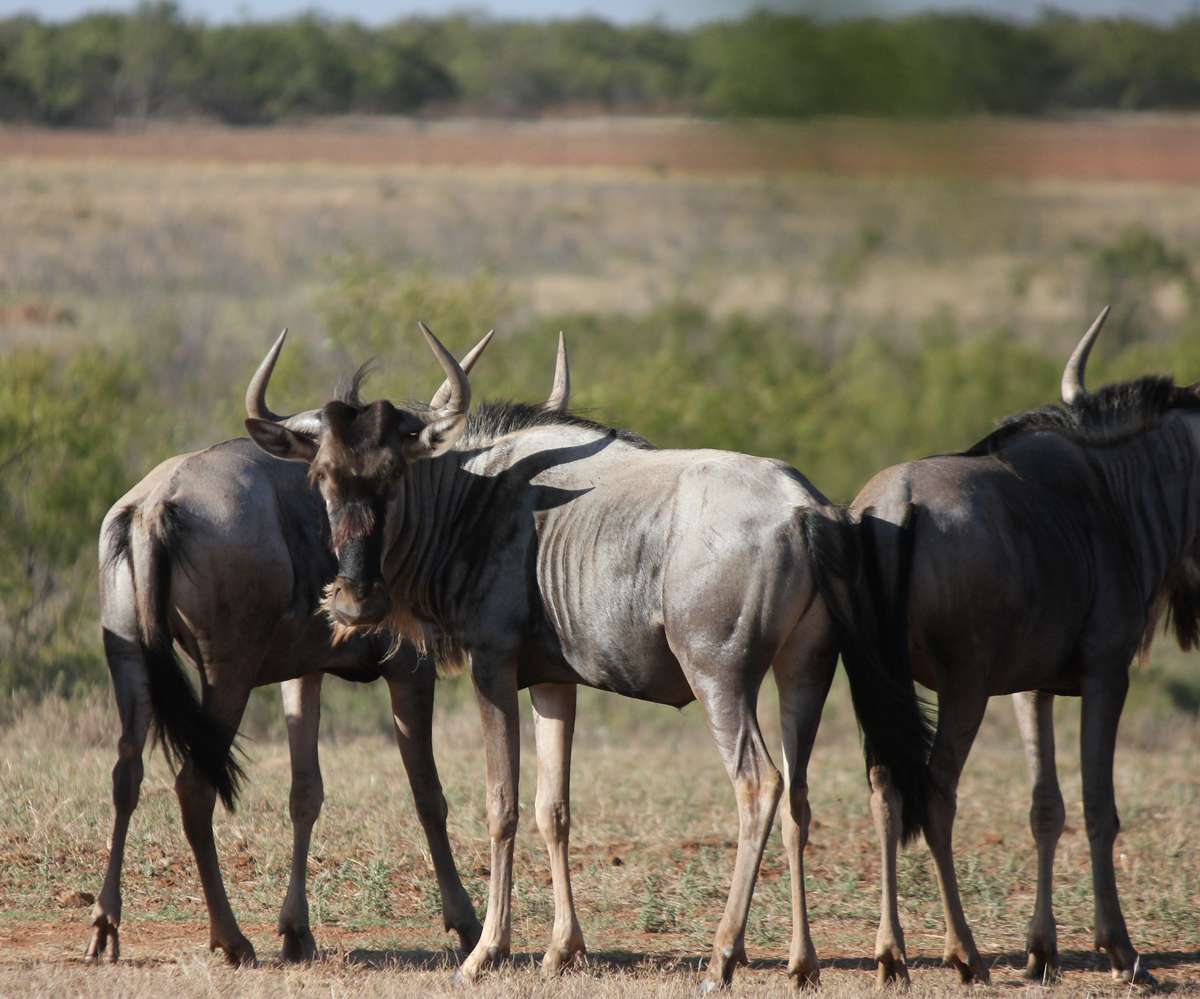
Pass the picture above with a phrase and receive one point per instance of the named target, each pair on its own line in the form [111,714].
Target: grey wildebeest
[225,551]
[1040,560]
[551,550]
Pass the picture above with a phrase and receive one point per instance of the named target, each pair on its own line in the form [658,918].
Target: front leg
[411,691]
[553,729]
[496,689]
[1035,716]
[1103,698]
[302,710]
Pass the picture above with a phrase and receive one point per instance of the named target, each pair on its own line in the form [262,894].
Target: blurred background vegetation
[84,426]
[157,62]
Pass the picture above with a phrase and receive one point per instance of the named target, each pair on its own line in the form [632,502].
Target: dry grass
[651,853]
[212,251]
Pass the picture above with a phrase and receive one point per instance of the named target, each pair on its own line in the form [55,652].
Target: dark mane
[491,420]
[1107,416]
[348,388]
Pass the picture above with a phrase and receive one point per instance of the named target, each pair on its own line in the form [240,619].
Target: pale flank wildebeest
[226,552]
[1040,560]
[549,549]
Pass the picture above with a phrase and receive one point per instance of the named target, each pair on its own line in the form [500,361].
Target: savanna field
[840,295]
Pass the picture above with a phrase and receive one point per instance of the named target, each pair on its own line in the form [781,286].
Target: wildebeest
[549,549]
[1039,560]
[225,551]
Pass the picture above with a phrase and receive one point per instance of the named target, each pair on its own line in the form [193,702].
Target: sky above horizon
[678,14]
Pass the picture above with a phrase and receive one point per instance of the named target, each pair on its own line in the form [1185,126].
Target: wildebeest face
[356,453]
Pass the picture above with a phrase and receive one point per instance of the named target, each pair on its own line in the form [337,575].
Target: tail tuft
[897,730]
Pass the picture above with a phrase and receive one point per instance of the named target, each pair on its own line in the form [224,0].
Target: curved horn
[467,363]
[1073,389]
[459,400]
[560,394]
[307,422]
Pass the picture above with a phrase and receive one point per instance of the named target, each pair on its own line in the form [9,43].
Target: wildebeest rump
[557,550]
[226,552]
[1038,560]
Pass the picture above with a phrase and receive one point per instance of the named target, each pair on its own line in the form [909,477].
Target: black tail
[897,732]
[182,725]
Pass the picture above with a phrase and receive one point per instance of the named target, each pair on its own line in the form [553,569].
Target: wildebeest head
[354,451]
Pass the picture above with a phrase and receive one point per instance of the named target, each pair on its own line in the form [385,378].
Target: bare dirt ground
[652,848]
[1162,148]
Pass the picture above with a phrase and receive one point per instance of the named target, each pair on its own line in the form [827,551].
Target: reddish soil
[1118,148]
[154,943]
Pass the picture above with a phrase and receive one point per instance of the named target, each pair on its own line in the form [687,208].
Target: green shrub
[61,467]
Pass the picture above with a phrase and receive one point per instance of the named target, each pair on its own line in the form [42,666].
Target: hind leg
[757,786]
[128,671]
[959,715]
[302,709]
[803,678]
[197,798]
[1035,717]
[553,729]
[891,959]
[412,713]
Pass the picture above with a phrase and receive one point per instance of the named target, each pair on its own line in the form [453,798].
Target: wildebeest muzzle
[358,597]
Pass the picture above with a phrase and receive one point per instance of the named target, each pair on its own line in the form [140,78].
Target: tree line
[156,62]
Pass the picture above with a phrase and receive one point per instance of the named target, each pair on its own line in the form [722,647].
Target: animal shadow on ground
[608,960]
[1069,960]
[429,960]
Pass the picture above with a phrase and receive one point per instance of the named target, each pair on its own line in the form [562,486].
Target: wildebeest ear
[279,441]
[439,436]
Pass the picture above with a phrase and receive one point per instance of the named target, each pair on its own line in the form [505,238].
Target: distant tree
[153,61]
[68,71]
[393,74]
[260,72]
[159,61]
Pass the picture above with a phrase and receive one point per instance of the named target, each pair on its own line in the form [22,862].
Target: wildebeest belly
[602,612]
[634,661]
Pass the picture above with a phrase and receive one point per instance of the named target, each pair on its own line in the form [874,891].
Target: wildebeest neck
[444,513]
[1153,480]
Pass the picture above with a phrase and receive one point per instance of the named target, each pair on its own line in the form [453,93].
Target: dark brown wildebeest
[226,552]
[1039,560]
[549,549]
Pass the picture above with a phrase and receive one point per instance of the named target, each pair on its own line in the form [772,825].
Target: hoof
[105,944]
[891,970]
[239,952]
[710,985]
[1136,977]
[298,947]
[970,971]
[468,935]
[1042,968]
[559,959]
[806,978]
[476,963]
